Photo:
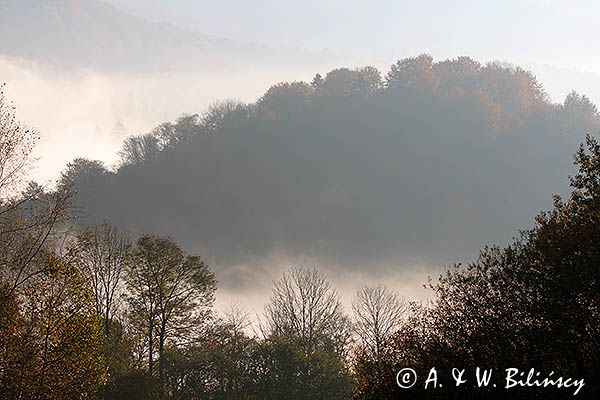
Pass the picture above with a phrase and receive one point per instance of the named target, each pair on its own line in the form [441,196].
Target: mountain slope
[423,168]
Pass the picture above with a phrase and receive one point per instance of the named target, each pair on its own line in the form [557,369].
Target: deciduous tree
[170,294]
[304,305]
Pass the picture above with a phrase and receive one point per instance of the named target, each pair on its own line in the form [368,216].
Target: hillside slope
[422,167]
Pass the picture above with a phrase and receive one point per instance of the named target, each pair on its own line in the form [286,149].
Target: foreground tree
[220,365]
[54,349]
[378,313]
[534,303]
[170,294]
[49,333]
[52,345]
[16,144]
[307,333]
[228,364]
[284,370]
[102,252]
[28,215]
[304,305]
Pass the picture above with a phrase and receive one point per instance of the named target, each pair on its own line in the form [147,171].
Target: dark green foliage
[227,367]
[133,385]
[287,371]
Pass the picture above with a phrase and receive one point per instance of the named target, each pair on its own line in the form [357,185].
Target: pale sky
[560,33]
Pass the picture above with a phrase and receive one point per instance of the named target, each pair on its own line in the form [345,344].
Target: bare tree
[16,145]
[378,312]
[102,252]
[304,305]
[236,318]
[28,215]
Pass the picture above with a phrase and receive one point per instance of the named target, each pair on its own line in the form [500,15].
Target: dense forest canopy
[426,163]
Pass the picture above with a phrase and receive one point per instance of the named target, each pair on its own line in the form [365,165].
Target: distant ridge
[95,34]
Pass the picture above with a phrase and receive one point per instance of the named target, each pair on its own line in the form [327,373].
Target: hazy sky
[561,33]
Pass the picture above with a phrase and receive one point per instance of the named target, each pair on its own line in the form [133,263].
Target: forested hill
[424,164]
